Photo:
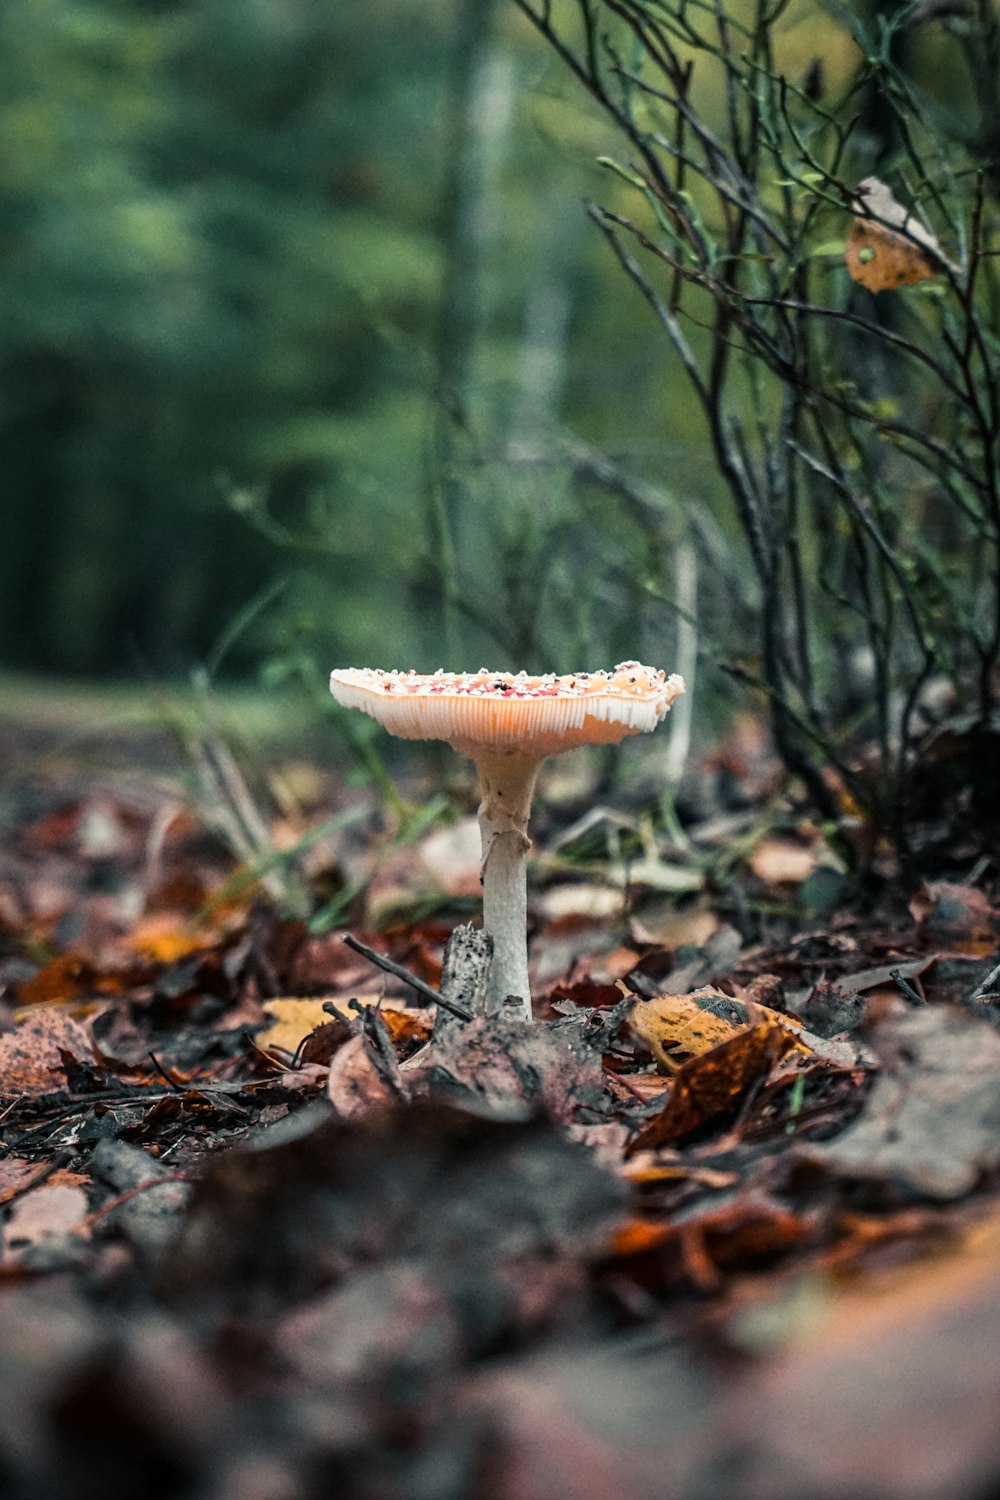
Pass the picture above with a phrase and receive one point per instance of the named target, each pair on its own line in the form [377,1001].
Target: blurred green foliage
[294,288]
[207,210]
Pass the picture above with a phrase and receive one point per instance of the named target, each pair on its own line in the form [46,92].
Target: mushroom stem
[507,781]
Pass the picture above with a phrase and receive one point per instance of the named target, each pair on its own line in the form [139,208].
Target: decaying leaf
[675,1027]
[40,1218]
[741,1228]
[931,1123]
[167,936]
[17,1175]
[355,1086]
[679,1027]
[660,923]
[880,257]
[508,1063]
[865,981]
[881,260]
[960,915]
[72,977]
[32,1055]
[715,1081]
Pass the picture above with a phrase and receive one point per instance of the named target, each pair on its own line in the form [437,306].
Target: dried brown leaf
[881,258]
[42,1215]
[72,977]
[931,1123]
[355,1086]
[31,1056]
[16,1176]
[661,924]
[960,915]
[715,1082]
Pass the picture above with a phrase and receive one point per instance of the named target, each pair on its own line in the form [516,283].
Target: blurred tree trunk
[480,88]
[541,371]
[41,422]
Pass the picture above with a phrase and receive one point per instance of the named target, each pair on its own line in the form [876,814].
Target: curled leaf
[881,257]
[678,1027]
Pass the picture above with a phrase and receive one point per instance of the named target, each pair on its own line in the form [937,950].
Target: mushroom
[507,725]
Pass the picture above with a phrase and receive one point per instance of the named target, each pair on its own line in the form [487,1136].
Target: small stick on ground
[905,987]
[398,972]
[36,1179]
[983,987]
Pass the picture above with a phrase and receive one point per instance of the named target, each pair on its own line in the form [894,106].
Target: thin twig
[167,1078]
[905,987]
[37,1178]
[398,972]
[982,987]
[126,1197]
[843,432]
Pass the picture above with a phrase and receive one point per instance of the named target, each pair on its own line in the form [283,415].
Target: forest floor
[724,1221]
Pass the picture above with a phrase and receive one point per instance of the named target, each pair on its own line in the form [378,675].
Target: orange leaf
[165,937]
[71,977]
[881,260]
[878,256]
[17,1175]
[637,1235]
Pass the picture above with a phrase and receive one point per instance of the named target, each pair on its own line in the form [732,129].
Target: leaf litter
[722,1221]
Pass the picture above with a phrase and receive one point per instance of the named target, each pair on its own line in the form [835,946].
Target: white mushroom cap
[498,711]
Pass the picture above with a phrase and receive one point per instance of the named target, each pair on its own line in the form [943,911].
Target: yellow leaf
[294,1019]
[676,1028]
[166,937]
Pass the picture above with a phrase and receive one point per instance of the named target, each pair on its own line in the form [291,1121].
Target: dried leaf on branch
[881,257]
